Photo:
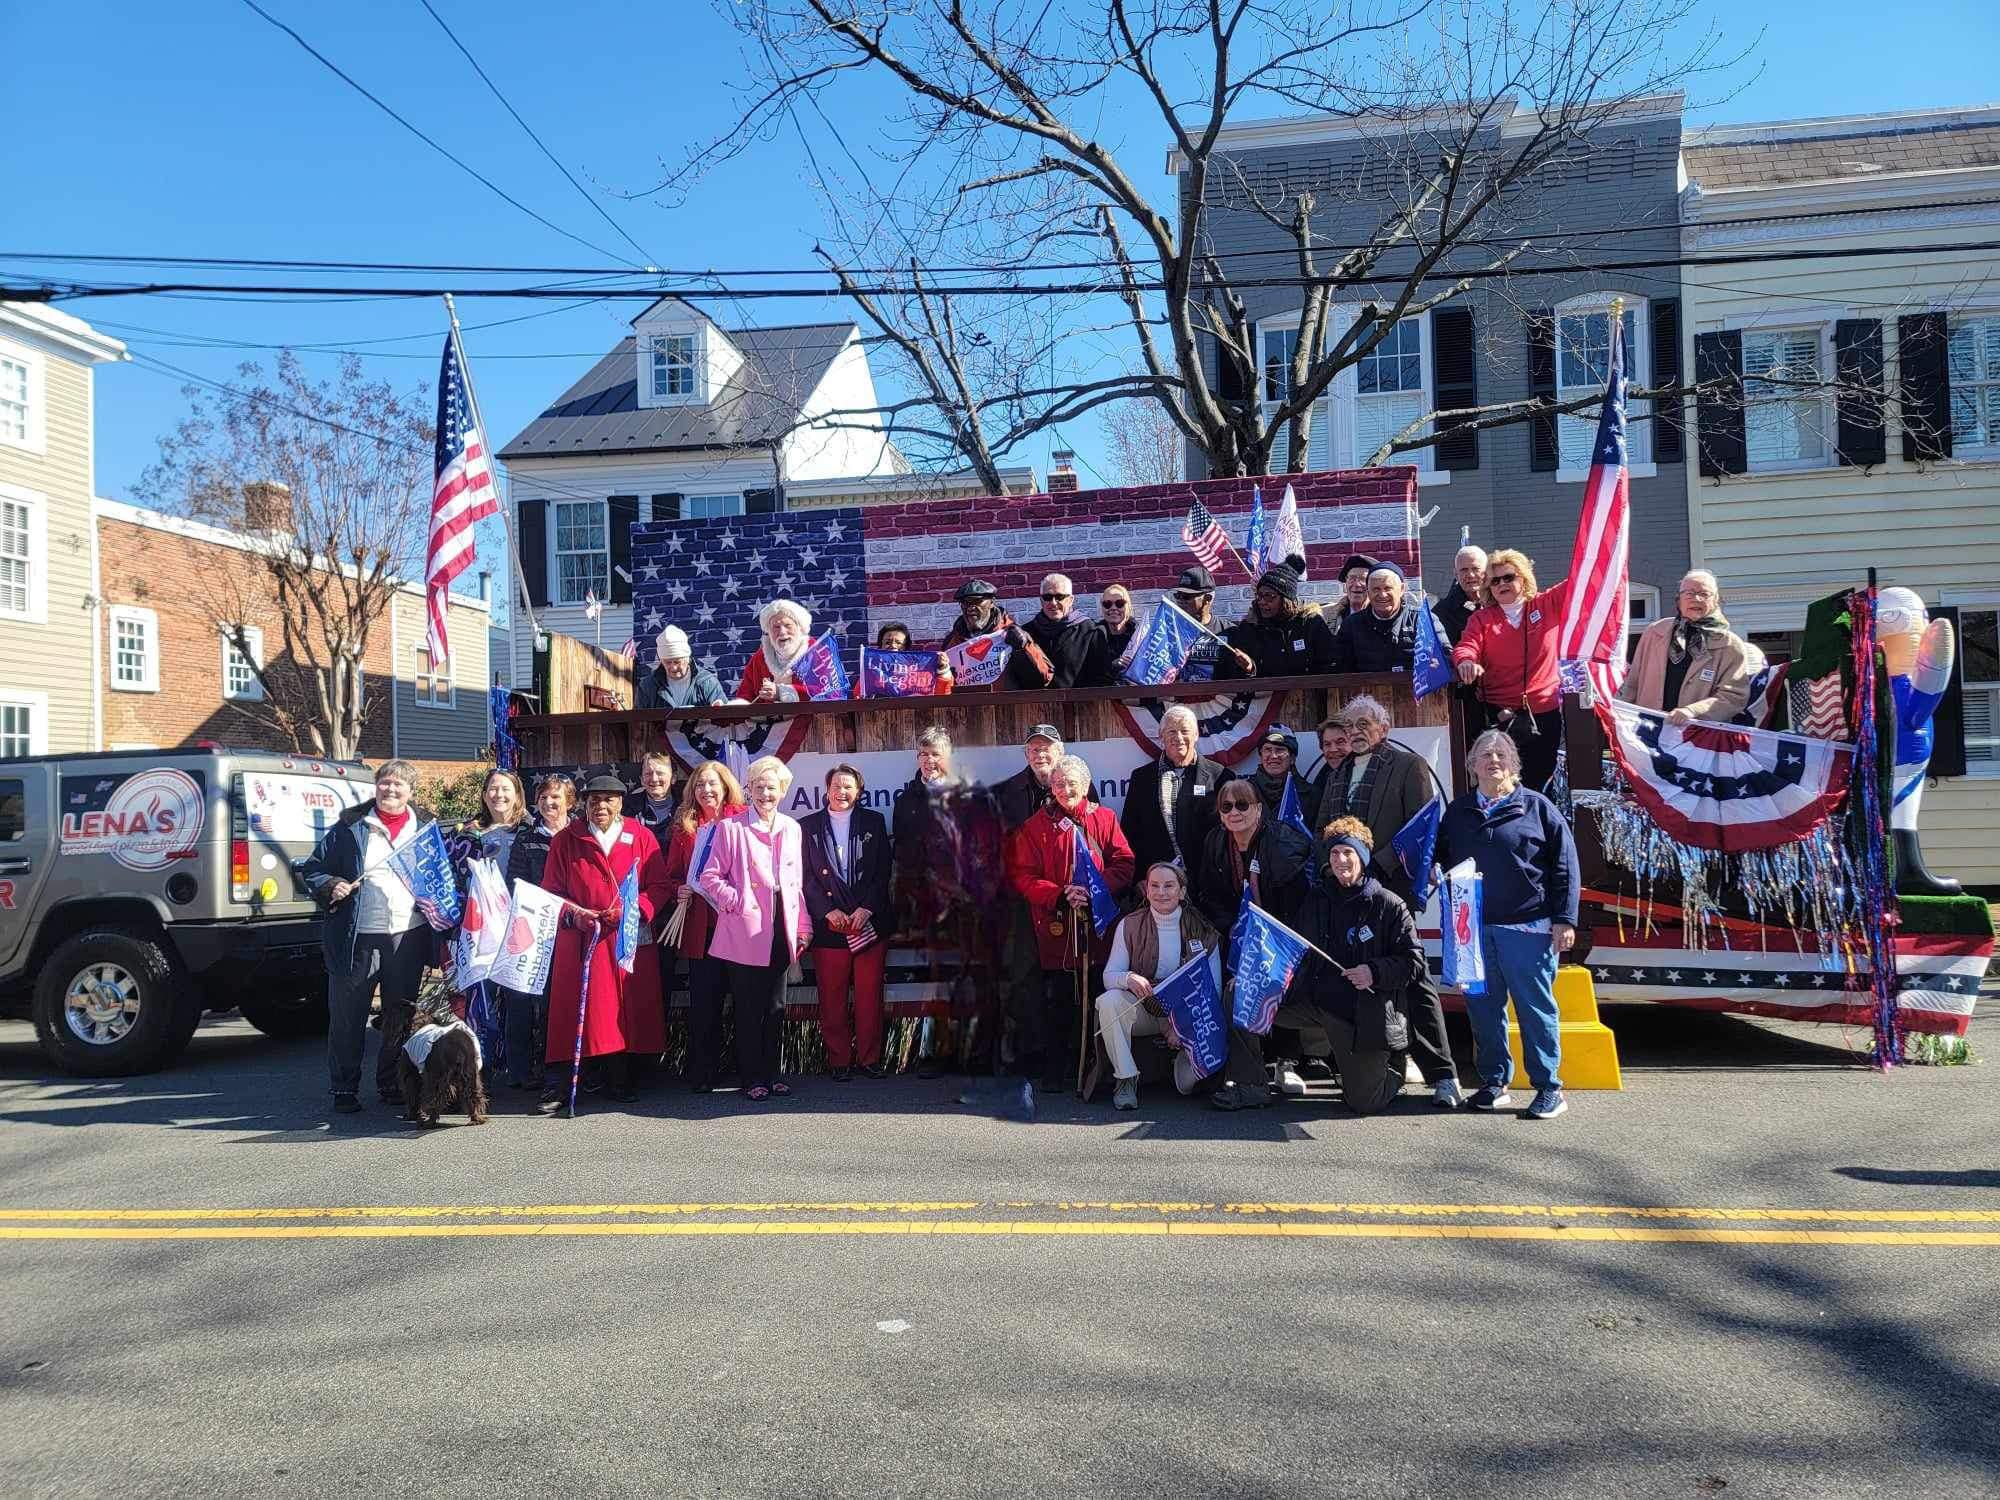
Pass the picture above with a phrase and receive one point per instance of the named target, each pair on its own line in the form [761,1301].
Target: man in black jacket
[1382,637]
[1212,658]
[1170,802]
[1074,647]
[1281,635]
[1467,591]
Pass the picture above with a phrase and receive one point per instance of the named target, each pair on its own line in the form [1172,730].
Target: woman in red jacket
[1040,861]
[1508,655]
[711,794]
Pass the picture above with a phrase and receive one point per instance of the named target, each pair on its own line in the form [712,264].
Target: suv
[140,888]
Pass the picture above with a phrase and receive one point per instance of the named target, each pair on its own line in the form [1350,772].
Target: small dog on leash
[439,1069]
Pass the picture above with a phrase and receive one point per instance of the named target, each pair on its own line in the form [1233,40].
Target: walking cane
[582,1014]
[1082,1009]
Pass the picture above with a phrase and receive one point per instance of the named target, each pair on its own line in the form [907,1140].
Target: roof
[1828,150]
[781,369]
[62,328]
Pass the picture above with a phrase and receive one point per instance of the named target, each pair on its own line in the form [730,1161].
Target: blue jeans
[1521,964]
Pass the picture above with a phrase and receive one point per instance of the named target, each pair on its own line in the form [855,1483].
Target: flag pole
[492,462]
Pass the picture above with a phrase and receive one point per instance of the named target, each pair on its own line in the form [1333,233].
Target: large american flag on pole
[462,496]
[1592,644]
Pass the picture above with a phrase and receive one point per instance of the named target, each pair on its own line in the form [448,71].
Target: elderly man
[1693,665]
[1212,658]
[1170,802]
[1385,785]
[1467,591]
[979,614]
[1072,647]
[1282,635]
[1383,636]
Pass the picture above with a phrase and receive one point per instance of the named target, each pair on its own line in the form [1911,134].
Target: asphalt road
[871,1290]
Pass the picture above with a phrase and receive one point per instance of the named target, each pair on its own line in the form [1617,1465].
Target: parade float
[1740,867]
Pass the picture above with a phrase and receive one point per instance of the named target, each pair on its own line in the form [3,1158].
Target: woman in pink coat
[626,1017]
[755,880]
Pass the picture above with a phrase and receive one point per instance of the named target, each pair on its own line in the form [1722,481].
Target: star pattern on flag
[673,546]
[727,541]
[809,557]
[650,572]
[754,562]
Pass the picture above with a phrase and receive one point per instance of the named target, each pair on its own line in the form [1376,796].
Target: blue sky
[199,129]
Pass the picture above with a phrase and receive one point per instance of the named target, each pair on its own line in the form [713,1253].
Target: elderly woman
[712,794]
[676,682]
[1693,665]
[1040,864]
[1529,885]
[1146,947]
[1359,997]
[847,859]
[767,676]
[755,880]
[526,1016]
[1508,655]
[1282,635]
[373,934]
[1251,849]
[624,1016]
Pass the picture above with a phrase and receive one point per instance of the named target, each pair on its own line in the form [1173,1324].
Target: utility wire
[456,161]
[588,197]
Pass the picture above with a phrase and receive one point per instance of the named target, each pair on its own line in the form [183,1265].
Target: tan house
[174,674]
[48,589]
[1798,490]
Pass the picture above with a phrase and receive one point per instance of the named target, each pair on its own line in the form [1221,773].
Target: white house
[685,419]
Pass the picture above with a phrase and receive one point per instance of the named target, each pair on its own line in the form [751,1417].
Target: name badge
[1200,790]
[624,838]
[1298,644]
[1709,675]
[1366,934]
[1536,617]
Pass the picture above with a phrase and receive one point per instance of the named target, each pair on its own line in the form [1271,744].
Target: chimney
[267,506]
[1062,473]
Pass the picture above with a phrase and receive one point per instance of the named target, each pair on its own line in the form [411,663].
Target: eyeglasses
[1119,604]
[1267,593]
[1235,804]
[1189,601]
[1052,598]
[1499,578]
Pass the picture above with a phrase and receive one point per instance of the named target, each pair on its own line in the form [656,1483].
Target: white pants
[1121,1015]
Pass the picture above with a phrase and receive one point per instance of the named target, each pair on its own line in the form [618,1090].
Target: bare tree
[329,484]
[1471,100]
[1142,444]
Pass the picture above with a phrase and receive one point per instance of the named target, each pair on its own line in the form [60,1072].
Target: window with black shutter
[760,502]
[1923,386]
[1668,428]
[1544,452]
[666,507]
[622,514]
[1861,435]
[1455,385]
[531,526]
[1718,409]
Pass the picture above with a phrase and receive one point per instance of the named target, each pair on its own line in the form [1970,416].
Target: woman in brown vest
[1146,947]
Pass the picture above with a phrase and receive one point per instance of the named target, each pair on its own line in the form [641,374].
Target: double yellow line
[1585,1223]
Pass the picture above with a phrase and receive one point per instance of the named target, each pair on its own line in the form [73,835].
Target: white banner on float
[1111,763]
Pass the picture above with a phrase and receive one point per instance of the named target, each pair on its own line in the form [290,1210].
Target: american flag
[1592,644]
[857,568]
[462,496]
[1204,535]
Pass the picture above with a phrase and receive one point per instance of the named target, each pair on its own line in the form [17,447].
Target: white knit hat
[792,607]
[673,641]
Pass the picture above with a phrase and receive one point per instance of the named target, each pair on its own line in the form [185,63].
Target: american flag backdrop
[462,496]
[855,568]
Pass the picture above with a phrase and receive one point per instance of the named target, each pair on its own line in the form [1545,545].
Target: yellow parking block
[1589,1050]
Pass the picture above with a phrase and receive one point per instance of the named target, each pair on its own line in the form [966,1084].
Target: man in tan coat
[1692,664]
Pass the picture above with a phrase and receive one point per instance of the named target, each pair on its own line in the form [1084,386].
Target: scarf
[1692,637]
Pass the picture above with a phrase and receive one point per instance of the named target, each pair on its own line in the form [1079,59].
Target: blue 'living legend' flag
[1430,663]
[425,865]
[1084,872]
[1255,551]
[627,946]
[1264,954]
[820,673]
[1193,1003]
[897,674]
[1160,654]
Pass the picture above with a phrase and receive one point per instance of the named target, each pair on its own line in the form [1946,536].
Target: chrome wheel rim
[102,1004]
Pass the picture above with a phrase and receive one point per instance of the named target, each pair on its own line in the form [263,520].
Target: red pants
[856,1040]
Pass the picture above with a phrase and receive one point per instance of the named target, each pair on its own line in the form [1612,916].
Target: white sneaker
[1290,1084]
[1447,1094]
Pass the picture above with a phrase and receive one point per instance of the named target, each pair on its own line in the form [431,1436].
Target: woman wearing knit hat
[767,676]
[1282,637]
[677,682]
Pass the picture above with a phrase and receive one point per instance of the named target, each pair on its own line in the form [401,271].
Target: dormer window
[674,356]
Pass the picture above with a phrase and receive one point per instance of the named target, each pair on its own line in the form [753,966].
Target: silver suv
[140,888]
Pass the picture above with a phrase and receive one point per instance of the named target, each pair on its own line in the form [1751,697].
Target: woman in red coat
[1508,656]
[588,862]
[1040,860]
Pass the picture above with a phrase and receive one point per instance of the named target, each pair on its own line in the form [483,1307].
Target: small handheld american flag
[1204,535]
[858,940]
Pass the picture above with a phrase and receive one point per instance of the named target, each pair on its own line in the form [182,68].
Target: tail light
[239,869]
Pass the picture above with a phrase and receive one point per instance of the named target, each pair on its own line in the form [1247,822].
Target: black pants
[708,982]
[1538,737]
[1045,1029]
[395,961]
[526,1018]
[759,991]
[1429,1043]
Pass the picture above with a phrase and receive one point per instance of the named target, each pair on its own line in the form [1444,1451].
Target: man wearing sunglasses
[1211,659]
[1074,647]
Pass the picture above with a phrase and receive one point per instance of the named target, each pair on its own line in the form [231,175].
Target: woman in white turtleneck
[1146,947]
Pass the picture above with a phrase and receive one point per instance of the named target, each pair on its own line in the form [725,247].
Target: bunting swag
[1229,726]
[1725,787]
[695,741]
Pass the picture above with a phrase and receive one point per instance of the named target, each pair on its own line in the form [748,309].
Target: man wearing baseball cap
[1195,595]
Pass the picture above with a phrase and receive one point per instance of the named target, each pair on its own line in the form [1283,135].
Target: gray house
[1542,329]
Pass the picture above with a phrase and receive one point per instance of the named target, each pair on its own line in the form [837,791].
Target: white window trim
[37,705]
[1638,435]
[37,505]
[556,555]
[648,346]
[1974,601]
[36,365]
[147,620]
[436,679]
[1983,452]
[687,505]
[1829,431]
[1339,405]
[255,692]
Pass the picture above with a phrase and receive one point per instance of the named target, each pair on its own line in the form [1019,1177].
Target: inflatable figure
[1919,658]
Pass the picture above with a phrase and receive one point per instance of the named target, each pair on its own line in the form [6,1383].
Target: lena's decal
[144,821]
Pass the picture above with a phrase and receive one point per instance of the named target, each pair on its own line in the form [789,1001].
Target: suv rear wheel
[111,1002]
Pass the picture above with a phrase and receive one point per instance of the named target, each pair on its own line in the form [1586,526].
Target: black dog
[449,1078]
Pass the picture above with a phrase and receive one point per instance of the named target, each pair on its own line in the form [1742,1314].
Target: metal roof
[781,369]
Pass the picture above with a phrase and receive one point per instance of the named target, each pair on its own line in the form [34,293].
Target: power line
[614,272]
[458,162]
[587,196]
[82,290]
